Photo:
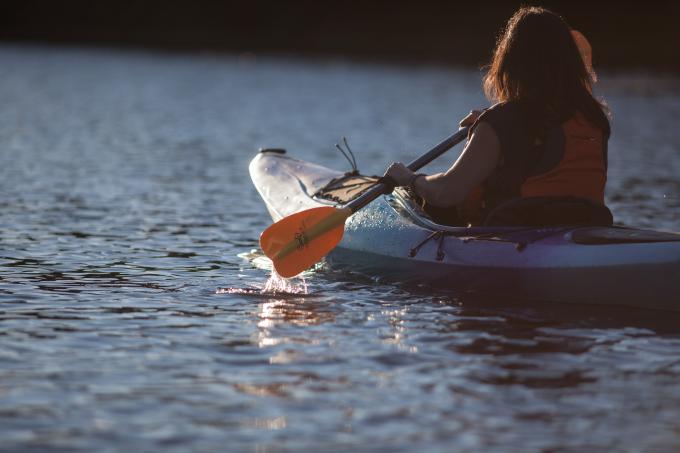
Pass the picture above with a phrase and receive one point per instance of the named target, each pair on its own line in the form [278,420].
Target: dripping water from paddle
[275,285]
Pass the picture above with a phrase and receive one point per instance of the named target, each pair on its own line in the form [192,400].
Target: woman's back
[567,160]
[552,132]
[545,138]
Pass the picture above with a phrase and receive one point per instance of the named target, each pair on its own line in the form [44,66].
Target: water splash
[277,285]
[274,286]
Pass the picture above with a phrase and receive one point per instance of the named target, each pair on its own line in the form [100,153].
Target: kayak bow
[297,242]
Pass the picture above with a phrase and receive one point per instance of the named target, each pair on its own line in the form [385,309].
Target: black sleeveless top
[521,159]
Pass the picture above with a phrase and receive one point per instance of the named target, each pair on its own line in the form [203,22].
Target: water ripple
[134,307]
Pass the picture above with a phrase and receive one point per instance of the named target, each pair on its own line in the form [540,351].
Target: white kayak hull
[540,264]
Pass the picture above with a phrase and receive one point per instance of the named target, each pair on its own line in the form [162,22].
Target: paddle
[297,242]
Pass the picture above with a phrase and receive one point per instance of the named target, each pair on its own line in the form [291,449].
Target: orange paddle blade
[298,241]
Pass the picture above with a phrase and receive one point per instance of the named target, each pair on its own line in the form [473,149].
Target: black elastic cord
[349,155]
[355,167]
[436,234]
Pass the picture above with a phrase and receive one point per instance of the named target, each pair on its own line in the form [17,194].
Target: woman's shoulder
[503,110]
[505,118]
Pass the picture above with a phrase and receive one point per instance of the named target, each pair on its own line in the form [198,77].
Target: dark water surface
[125,205]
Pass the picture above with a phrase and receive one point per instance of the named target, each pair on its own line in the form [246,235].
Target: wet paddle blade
[299,241]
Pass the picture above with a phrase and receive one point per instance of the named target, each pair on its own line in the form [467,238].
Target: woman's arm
[475,164]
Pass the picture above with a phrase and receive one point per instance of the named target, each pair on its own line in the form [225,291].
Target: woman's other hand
[471,118]
[400,174]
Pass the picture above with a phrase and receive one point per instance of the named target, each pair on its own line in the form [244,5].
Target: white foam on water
[277,285]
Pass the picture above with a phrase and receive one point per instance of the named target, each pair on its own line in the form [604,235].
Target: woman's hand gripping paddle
[299,241]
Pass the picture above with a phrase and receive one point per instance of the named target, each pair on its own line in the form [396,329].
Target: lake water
[125,205]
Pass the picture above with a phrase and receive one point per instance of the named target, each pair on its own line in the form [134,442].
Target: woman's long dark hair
[537,63]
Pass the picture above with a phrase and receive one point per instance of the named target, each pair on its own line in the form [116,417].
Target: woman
[544,140]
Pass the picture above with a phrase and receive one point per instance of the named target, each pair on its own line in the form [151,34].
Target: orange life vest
[582,170]
[571,161]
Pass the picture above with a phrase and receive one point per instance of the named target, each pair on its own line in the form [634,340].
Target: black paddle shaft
[381,188]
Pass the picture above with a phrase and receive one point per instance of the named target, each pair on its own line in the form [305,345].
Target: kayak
[394,239]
